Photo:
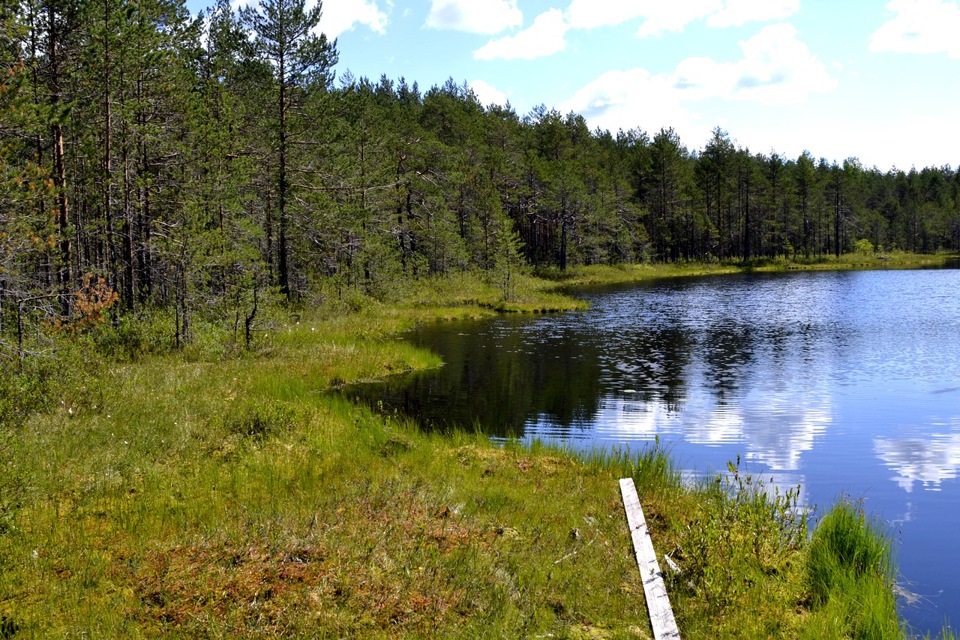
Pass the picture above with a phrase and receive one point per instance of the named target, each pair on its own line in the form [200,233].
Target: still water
[847,384]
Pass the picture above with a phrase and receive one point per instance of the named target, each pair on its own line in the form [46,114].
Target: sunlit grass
[850,574]
[853,261]
[598,275]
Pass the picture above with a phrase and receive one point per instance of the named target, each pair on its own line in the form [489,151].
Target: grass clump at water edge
[851,575]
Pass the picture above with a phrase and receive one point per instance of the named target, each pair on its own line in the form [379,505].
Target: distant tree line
[150,159]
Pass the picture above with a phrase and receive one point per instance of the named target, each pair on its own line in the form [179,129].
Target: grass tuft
[851,573]
[260,420]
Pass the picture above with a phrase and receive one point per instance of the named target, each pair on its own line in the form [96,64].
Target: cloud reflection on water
[775,429]
[928,461]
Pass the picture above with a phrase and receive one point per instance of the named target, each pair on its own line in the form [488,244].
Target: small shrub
[21,393]
[210,342]
[741,532]
[32,384]
[136,335]
[92,301]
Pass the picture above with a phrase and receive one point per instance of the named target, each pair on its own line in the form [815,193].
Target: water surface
[845,383]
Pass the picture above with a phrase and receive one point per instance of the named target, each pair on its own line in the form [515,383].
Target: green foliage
[33,384]
[208,173]
[260,420]
[282,181]
[23,391]
[133,336]
[851,574]
[652,469]
[762,528]
[946,633]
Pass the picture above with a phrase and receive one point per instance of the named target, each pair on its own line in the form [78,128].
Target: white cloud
[340,16]
[635,99]
[475,16]
[674,16]
[659,16]
[488,94]
[920,26]
[545,37]
[587,14]
[739,12]
[776,68]
[923,139]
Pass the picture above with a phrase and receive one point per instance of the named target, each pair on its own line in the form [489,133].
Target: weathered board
[658,604]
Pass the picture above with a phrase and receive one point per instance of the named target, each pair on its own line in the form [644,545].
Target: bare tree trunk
[63,220]
[59,165]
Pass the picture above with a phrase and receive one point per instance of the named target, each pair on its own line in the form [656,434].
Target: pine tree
[27,232]
[302,61]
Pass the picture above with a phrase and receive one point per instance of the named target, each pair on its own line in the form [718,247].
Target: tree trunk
[63,220]
[282,266]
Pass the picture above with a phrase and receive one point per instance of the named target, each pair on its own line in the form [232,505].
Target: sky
[868,79]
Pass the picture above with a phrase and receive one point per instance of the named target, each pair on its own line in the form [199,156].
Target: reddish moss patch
[251,585]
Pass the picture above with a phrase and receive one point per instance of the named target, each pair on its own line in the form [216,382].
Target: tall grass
[850,572]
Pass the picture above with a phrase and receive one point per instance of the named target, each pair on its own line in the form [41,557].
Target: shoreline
[192,495]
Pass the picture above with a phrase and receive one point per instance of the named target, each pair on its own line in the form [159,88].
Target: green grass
[851,574]
[853,261]
[598,275]
[191,496]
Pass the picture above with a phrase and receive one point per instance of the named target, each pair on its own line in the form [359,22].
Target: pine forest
[207,165]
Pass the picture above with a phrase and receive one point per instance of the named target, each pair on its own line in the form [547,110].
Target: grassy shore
[624,274]
[209,495]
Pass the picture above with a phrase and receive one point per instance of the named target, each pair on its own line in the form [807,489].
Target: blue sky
[876,80]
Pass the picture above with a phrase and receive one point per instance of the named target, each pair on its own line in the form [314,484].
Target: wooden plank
[658,604]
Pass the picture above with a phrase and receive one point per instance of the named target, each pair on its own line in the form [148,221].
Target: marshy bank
[211,493]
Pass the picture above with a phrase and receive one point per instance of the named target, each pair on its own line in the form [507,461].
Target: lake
[846,383]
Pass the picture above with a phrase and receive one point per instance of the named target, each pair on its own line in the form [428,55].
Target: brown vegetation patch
[252,584]
[366,599]
[495,459]
[473,453]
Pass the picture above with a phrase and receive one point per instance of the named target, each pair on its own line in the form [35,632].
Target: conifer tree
[302,60]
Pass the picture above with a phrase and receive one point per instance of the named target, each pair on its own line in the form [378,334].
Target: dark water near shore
[846,383]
